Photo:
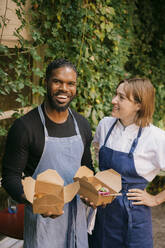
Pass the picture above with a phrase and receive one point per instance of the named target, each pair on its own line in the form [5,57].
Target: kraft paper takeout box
[89,184]
[50,191]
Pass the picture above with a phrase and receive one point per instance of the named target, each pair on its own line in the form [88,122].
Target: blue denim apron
[70,229]
[122,224]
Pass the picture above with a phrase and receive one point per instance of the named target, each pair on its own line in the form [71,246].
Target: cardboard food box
[90,184]
[47,193]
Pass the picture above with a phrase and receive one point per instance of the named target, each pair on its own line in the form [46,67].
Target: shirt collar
[131,128]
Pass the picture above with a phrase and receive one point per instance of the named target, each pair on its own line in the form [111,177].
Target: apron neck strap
[75,122]
[135,142]
[109,132]
[42,119]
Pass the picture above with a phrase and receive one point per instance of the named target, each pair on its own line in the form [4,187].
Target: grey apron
[70,229]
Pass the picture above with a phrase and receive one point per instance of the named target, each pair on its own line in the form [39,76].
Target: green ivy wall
[107,40]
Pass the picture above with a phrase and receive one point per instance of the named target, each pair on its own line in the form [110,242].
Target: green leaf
[38,72]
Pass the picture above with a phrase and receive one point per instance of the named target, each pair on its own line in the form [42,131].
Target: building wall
[8,14]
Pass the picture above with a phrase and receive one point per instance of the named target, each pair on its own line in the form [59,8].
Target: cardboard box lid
[49,182]
[50,176]
[83,171]
[70,191]
[111,178]
[28,187]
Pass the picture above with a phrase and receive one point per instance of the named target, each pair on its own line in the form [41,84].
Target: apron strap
[109,132]
[43,120]
[128,207]
[75,122]
[71,234]
[135,142]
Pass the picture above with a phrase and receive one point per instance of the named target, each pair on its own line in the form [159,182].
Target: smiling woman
[131,145]
[124,108]
[132,102]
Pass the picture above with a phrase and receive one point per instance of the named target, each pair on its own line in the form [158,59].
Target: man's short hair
[58,63]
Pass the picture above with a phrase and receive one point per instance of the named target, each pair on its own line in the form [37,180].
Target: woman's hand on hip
[141,197]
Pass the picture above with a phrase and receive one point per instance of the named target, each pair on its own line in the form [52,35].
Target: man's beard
[56,106]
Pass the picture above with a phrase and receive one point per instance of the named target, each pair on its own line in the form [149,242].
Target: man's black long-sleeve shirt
[25,144]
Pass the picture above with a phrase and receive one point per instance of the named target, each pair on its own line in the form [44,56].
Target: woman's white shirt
[149,155]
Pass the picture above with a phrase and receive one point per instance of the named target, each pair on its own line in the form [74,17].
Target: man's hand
[49,214]
[90,204]
[87,202]
[141,197]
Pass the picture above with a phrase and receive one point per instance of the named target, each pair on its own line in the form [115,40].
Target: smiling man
[51,136]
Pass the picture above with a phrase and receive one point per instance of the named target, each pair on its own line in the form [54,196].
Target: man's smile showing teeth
[62,98]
